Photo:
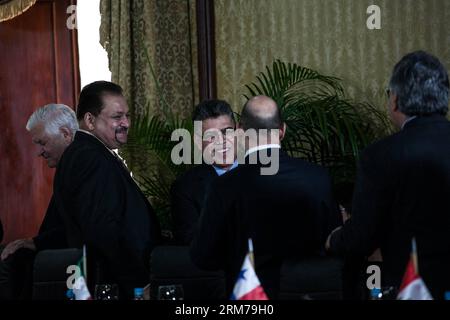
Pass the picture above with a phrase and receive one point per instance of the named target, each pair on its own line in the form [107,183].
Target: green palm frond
[282,77]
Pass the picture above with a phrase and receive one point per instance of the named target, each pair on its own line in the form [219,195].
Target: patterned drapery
[162,28]
[330,36]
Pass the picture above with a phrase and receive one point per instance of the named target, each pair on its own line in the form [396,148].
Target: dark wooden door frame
[206,49]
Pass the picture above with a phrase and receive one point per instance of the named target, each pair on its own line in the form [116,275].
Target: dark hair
[249,120]
[212,109]
[91,97]
[421,84]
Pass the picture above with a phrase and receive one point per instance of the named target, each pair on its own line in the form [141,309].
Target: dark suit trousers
[16,275]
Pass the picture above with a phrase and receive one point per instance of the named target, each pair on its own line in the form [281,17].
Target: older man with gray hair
[403,187]
[52,129]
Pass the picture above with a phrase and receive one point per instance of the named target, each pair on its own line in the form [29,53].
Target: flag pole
[414,255]
[84,263]
[250,252]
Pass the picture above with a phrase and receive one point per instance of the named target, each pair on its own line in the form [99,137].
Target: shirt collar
[263,147]
[221,171]
[114,152]
[408,120]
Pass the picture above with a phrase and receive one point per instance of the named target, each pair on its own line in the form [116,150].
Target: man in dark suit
[403,184]
[101,205]
[52,129]
[286,212]
[189,190]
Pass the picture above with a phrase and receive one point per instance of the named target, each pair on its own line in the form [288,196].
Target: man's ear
[67,134]
[394,102]
[89,121]
[282,131]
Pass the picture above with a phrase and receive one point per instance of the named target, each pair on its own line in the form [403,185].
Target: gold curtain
[10,9]
[330,36]
[162,28]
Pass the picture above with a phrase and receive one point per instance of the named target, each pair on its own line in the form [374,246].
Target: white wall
[93,58]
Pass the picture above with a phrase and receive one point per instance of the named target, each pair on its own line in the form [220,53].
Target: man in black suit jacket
[286,214]
[403,184]
[189,190]
[101,205]
[52,129]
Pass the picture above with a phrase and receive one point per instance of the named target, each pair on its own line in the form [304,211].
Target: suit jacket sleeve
[373,192]
[52,232]
[185,214]
[54,238]
[314,220]
[328,208]
[209,245]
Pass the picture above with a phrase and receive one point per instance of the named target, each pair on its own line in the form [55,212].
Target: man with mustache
[189,190]
[102,206]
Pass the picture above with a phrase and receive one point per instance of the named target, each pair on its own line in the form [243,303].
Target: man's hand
[345,217]
[327,243]
[16,245]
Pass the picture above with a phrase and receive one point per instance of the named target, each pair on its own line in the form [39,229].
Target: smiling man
[102,206]
[189,190]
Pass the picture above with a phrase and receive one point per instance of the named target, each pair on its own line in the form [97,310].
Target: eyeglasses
[388,92]
[224,133]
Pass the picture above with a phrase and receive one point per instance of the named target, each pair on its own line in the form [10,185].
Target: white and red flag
[247,285]
[413,287]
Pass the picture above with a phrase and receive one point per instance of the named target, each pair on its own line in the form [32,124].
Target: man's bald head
[261,112]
